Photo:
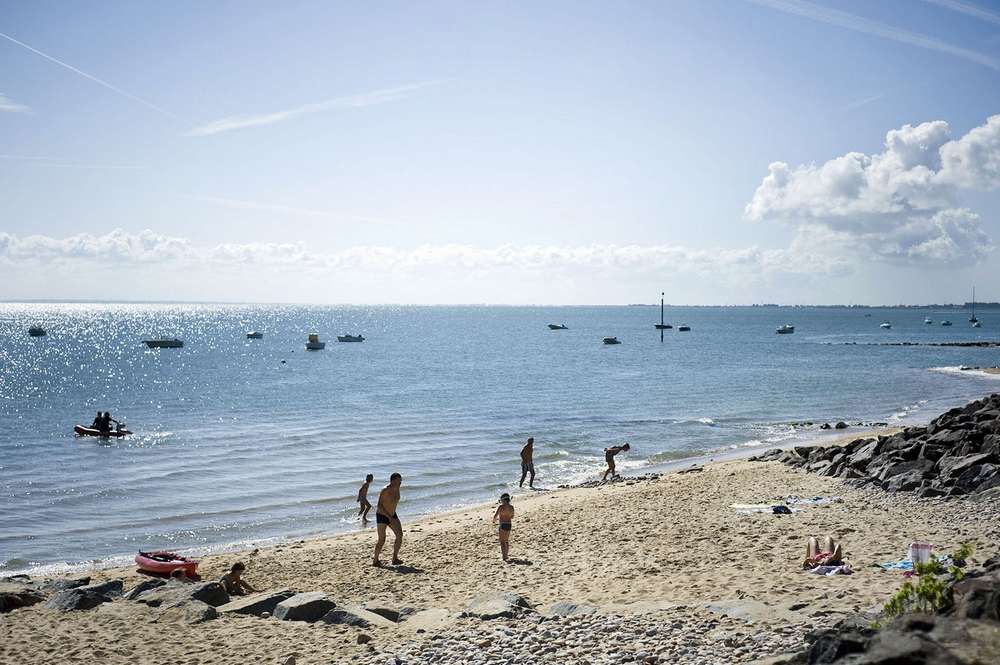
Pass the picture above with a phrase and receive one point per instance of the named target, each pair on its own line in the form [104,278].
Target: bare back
[526,453]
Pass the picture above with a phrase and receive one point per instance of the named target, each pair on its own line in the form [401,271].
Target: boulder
[85,597]
[567,608]
[16,596]
[309,607]
[65,583]
[932,451]
[979,477]
[189,612]
[174,593]
[977,597]
[390,613]
[255,604]
[860,458]
[905,482]
[898,468]
[503,605]
[948,438]
[351,615]
[840,425]
[142,587]
[954,466]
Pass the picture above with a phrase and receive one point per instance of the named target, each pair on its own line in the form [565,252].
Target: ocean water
[241,441]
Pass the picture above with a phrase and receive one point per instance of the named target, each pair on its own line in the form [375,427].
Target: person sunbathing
[829,555]
[232,582]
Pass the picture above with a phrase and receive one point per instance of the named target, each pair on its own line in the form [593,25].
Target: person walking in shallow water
[385,516]
[364,506]
[527,463]
[504,515]
[609,457]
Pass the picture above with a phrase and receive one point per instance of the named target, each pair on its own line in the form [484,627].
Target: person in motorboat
[609,457]
[527,463]
[97,421]
[364,506]
[106,420]
[233,582]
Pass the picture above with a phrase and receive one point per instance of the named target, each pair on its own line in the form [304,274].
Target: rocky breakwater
[957,453]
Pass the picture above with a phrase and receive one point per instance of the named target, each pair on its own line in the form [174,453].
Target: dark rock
[772,455]
[63,584]
[189,611]
[955,466]
[929,491]
[905,482]
[16,596]
[899,468]
[567,608]
[825,426]
[386,612]
[143,586]
[914,432]
[979,477]
[863,455]
[932,451]
[829,645]
[255,604]
[85,597]
[363,639]
[310,607]
[504,605]
[977,597]
[840,425]
[174,593]
[947,438]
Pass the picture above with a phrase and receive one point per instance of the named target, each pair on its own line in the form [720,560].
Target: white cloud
[124,250]
[896,205]
[968,10]
[359,100]
[8,106]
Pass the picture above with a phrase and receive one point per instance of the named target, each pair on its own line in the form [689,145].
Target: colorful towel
[842,569]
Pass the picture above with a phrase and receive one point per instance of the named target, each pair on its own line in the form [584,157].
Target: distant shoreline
[982,306]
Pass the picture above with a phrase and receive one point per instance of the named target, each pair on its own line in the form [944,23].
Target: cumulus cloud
[123,250]
[8,106]
[897,205]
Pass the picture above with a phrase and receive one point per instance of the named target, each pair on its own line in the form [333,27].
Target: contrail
[92,78]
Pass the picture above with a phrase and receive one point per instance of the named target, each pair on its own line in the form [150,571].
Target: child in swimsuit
[504,515]
[364,506]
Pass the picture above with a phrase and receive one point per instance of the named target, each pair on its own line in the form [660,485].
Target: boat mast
[661,307]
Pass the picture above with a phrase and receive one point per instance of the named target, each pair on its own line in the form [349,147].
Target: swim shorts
[382,519]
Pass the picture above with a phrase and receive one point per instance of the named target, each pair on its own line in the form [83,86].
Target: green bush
[932,591]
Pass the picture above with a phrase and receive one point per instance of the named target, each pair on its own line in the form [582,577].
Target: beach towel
[842,569]
[748,508]
[814,501]
[907,564]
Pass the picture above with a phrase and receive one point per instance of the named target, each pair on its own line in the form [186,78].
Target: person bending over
[385,516]
[233,583]
[609,457]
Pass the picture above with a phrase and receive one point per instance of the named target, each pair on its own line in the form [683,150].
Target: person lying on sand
[363,498]
[527,462]
[609,457]
[828,555]
[232,582]
[504,514]
[385,516]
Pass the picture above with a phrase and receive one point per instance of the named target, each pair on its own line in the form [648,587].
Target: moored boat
[946,322]
[254,334]
[928,320]
[37,331]
[164,563]
[90,431]
[786,329]
[314,344]
[350,338]
[611,340]
[885,325]
[558,326]
[683,328]
[164,343]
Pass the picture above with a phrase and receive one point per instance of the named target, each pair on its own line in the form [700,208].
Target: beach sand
[653,553]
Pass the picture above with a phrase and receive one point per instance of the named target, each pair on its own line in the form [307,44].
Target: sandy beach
[670,558]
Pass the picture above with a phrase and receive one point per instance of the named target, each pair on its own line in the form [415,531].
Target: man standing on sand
[385,516]
[609,457]
[527,465]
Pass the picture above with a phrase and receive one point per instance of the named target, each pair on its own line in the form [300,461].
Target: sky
[722,151]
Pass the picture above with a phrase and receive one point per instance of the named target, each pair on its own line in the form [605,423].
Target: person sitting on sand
[609,457]
[828,555]
[365,506]
[385,516]
[527,463]
[504,514]
[233,583]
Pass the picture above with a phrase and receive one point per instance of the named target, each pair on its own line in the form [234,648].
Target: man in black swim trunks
[385,516]
[609,457]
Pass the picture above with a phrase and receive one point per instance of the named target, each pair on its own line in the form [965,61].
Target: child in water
[504,514]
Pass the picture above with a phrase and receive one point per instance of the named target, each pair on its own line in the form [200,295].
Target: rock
[905,482]
[389,613]
[840,425]
[352,615]
[503,605]
[16,596]
[174,593]
[977,597]
[955,466]
[829,645]
[256,604]
[142,587]
[310,607]
[946,438]
[863,455]
[825,426]
[63,584]
[363,639]
[189,612]
[979,477]
[567,608]
[772,455]
[85,597]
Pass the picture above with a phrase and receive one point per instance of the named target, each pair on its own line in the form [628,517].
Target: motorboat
[683,328]
[164,343]
[350,338]
[885,324]
[946,322]
[255,335]
[612,340]
[558,326]
[314,344]
[118,432]
[37,331]
[164,563]
[786,329]
[928,320]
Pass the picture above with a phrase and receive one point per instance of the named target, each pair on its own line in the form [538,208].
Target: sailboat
[972,319]
[661,325]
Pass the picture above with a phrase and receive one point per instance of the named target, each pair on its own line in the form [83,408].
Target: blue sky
[509,153]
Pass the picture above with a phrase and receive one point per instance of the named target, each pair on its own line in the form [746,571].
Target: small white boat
[163,343]
[885,324]
[37,331]
[611,340]
[683,328]
[928,321]
[946,322]
[253,334]
[314,344]
[558,326]
[786,329]
[350,338]
[977,324]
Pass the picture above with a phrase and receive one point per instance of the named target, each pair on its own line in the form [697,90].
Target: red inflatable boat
[164,563]
[90,431]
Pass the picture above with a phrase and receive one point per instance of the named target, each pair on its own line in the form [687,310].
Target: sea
[240,441]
